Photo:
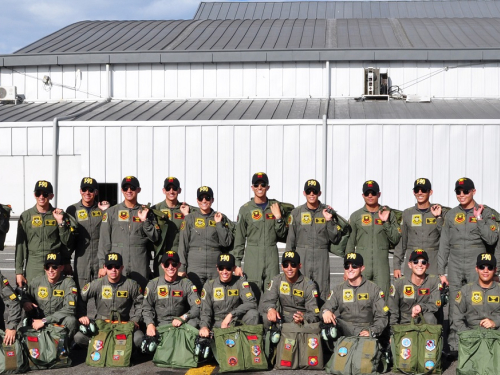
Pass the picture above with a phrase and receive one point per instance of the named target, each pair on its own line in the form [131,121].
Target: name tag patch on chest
[270,217]
[416,220]
[366,220]
[472,219]
[123,215]
[430,220]
[363,296]
[122,294]
[494,299]
[306,218]
[177,293]
[82,215]
[50,223]
[58,293]
[424,291]
[233,292]
[348,295]
[199,223]
[379,222]
[298,293]
[163,292]
[211,223]
[179,216]
[285,288]
[96,213]
[319,220]
[107,292]
[218,294]
[136,219]
[36,221]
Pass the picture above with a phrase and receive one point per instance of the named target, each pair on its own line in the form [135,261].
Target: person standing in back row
[373,231]
[260,225]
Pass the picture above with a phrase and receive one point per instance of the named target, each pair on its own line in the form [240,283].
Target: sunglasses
[353,266]
[289,264]
[205,197]
[112,266]
[488,266]
[423,262]
[222,268]
[309,191]
[49,266]
[460,191]
[126,187]
[171,263]
[367,193]
[90,190]
[416,190]
[39,192]
[263,184]
[171,187]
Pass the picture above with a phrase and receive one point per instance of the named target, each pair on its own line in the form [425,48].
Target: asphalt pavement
[142,365]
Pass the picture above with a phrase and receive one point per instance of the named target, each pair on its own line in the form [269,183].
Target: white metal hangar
[275,87]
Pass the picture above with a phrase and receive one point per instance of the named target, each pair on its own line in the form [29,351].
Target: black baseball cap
[226,260]
[371,185]
[419,253]
[312,185]
[260,176]
[53,258]
[44,186]
[171,181]
[204,190]
[131,180]
[89,182]
[464,183]
[170,255]
[290,256]
[422,183]
[113,259]
[353,258]
[486,259]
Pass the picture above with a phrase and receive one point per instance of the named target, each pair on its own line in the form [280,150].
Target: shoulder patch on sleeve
[381,294]
[458,298]
[270,285]
[146,292]
[183,225]
[203,294]
[85,289]
[392,291]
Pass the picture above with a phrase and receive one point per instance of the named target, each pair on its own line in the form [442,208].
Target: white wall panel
[338,168]
[179,148]
[391,152]
[275,159]
[242,154]
[157,80]
[5,141]
[491,166]
[197,150]
[225,173]
[209,80]
[146,81]
[19,141]
[68,80]
[197,73]
[145,161]
[161,163]
[291,178]
[209,166]
[35,141]
[223,86]
[101,146]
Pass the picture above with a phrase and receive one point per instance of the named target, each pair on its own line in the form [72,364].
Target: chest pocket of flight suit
[364,305]
[51,228]
[122,298]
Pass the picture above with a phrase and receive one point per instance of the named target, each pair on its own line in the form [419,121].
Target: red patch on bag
[313,361]
[121,337]
[10,354]
[232,361]
[116,357]
[32,339]
[286,363]
[252,337]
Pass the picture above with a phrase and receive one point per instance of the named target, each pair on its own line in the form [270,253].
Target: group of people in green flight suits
[208,271]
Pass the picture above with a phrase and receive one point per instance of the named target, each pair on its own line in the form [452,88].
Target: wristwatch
[44,321]
[479,217]
[280,220]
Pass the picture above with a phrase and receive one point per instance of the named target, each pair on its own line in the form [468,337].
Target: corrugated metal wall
[253,80]
[225,156]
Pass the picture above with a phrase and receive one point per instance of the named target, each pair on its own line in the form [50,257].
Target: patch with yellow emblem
[122,294]
[13,296]
[105,218]
[493,299]
[82,215]
[203,294]
[199,222]
[42,292]
[392,291]
[305,218]
[218,294]
[366,220]
[167,212]
[249,295]
[71,303]
[348,295]
[163,292]
[477,298]
[416,220]
[430,220]
[458,298]
[58,293]
[316,310]
[409,292]
[290,219]
[212,223]
[36,221]
[123,215]
[319,220]
[285,288]
[298,293]
[233,293]
[493,228]
[183,225]
[256,215]
[381,294]
[198,302]
[146,292]
[363,296]
[386,308]
[51,223]
[107,292]
[460,218]
[96,213]
[438,303]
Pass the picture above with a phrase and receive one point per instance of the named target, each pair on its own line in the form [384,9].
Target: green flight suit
[372,238]
[119,297]
[164,301]
[38,235]
[123,232]
[473,304]
[358,308]
[9,300]
[404,295]
[219,299]
[419,230]
[4,223]
[261,231]
[202,241]
[311,236]
[56,302]
[463,238]
[300,296]
[170,231]
[86,244]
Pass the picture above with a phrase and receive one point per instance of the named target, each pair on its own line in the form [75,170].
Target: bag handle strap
[114,314]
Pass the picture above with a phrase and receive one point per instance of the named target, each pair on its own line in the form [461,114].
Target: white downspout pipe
[325,132]
[55,134]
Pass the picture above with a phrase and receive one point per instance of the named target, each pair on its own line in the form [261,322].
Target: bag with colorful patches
[112,346]
[176,348]
[240,348]
[300,347]
[355,355]
[13,358]
[416,348]
[46,348]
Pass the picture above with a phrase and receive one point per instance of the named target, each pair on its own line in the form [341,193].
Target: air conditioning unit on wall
[376,84]
[8,93]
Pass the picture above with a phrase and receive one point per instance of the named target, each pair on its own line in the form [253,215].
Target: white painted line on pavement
[7,269]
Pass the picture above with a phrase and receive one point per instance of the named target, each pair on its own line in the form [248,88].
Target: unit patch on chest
[494,299]
[177,293]
[256,215]
[199,223]
[36,221]
[319,220]
[477,298]
[233,293]
[58,293]
[167,212]
[348,295]
[82,215]
[122,294]
[460,218]
[416,220]
[179,216]
[107,292]
[123,215]
[212,223]
[409,292]
[50,223]
[162,292]
[42,292]
[363,296]
[218,294]
[96,213]
[285,288]
[366,220]
[306,218]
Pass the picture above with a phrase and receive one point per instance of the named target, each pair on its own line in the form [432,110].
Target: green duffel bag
[239,348]
[416,348]
[355,355]
[346,229]
[46,348]
[176,348]
[112,346]
[478,352]
[287,209]
[299,347]
[13,359]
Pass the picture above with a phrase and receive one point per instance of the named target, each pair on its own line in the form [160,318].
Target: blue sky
[25,21]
